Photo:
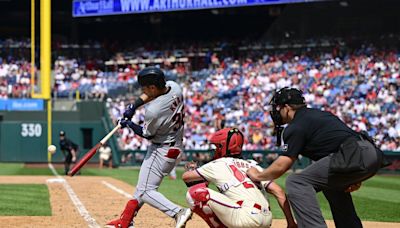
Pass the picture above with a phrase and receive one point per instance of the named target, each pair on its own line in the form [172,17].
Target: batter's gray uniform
[164,123]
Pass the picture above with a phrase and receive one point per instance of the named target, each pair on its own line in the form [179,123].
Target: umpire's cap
[151,76]
[287,96]
[62,133]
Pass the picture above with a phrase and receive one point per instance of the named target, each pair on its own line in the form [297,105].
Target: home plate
[55,180]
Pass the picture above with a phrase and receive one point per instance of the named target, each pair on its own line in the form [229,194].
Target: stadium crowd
[362,87]
[15,79]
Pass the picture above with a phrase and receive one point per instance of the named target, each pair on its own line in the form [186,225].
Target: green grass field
[24,199]
[377,200]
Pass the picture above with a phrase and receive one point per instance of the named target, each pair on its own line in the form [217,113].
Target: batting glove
[129,111]
[123,122]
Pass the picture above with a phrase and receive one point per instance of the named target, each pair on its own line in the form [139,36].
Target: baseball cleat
[182,217]
[119,224]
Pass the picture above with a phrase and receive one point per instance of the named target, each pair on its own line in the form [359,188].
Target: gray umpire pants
[302,188]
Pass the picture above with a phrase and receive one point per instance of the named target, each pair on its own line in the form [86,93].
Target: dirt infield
[103,204]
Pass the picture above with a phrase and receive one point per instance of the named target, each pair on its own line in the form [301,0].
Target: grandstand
[344,55]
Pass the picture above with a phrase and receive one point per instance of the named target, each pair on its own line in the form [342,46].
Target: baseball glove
[189,166]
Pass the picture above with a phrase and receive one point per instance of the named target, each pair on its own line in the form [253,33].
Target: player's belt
[256,205]
[164,144]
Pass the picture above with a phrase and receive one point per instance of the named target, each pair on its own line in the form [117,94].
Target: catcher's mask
[228,142]
[281,97]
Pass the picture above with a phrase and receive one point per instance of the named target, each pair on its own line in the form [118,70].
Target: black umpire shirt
[67,145]
[314,134]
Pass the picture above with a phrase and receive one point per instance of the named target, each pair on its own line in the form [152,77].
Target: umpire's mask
[281,97]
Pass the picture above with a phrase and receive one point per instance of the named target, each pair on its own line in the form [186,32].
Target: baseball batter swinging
[163,125]
[239,202]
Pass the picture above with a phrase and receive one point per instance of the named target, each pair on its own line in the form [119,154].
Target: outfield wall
[23,134]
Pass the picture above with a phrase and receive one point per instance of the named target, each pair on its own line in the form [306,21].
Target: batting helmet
[151,76]
[228,142]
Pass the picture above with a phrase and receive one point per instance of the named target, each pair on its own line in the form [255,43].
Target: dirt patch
[103,204]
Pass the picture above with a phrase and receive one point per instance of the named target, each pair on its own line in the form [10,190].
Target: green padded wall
[23,135]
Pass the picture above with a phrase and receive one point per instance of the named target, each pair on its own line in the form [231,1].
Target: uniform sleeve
[294,140]
[207,171]
[151,124]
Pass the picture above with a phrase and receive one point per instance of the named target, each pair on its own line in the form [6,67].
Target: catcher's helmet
[228,142]
[151,76]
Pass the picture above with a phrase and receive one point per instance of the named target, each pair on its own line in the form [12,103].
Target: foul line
[120,191]
[75,200]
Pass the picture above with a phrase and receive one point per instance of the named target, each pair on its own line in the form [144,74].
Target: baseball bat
[92,152]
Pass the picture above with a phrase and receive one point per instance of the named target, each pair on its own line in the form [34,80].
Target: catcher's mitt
[189,166]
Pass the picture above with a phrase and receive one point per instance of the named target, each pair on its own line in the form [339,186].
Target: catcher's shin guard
[197,197]
[127,215]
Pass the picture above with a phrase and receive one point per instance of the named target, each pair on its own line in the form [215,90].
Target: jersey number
[178,120]
[179,114]
[240,177]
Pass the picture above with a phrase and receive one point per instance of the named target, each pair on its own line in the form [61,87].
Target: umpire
[69,150]
[342,159]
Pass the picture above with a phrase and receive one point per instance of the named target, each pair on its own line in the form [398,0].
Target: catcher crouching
[239,202]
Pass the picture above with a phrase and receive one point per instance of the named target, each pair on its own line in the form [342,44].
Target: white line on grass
[120,191]
[78,204]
